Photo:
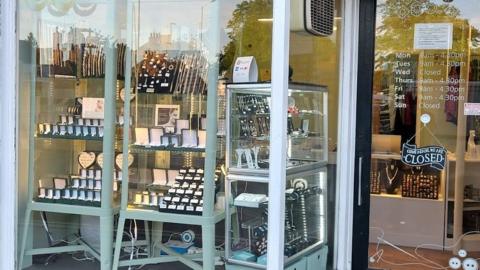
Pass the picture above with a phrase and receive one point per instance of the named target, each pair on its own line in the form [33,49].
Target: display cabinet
[170,128]
[71,68]
[248,120]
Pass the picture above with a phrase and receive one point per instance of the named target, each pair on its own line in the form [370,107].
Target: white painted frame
[346,134]
[8,117]
[347,118]
[278,136]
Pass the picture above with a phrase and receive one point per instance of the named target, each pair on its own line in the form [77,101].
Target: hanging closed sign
[435,156]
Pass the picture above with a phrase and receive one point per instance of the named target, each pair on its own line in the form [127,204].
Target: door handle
[359,194]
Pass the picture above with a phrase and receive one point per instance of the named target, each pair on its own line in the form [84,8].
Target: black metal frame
[366,59]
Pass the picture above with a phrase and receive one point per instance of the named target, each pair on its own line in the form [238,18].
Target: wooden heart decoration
[122,94]
[86,159]
[100,160]
[119,160]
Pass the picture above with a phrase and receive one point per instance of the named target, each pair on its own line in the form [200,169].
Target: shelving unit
[56,155]
[248,179]
[151,157]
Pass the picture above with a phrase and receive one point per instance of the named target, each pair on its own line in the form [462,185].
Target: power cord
[378,255]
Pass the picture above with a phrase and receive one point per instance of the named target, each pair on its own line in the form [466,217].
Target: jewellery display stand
[54,148]
[248,181]
[422,190]
[175,176]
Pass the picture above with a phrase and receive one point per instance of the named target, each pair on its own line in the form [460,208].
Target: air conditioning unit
[312,16]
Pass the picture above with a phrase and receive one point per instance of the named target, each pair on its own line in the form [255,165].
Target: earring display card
[160,177]
[172,175]
[189,138]
[202,138]
[175,140]
[181,124]
[156,136]
[165,140]
[60,183]
[141,136]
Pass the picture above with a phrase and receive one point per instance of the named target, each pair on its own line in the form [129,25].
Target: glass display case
[70,76]
[248,122]
[170,117]
[248,111]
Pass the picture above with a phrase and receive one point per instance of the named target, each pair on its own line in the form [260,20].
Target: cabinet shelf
[143,149]
[69,137]
[71,208]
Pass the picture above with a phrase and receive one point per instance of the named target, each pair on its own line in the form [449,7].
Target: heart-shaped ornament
[122,94]
[119,160]
[100,160]
[86,159]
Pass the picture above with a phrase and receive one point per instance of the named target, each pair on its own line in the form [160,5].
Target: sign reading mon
[434,156]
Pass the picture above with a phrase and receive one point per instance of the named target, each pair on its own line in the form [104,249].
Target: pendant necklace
[391,179]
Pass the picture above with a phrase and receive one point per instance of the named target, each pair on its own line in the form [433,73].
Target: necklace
[391,179]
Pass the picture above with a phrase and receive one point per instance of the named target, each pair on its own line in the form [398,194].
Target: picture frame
[166,115]
[93,108]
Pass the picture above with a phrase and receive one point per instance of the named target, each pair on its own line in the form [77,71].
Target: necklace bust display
[390,178]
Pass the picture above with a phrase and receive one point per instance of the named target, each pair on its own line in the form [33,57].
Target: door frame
[363,141]
[8,116]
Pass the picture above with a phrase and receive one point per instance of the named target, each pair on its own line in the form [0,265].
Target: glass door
[424,207]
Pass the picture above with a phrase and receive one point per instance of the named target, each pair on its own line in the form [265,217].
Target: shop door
[421,160]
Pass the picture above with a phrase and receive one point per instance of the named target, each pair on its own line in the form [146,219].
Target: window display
[424,84]
[68,171]
[248,181]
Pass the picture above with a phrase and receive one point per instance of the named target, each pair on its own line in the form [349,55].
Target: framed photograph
[182,124]
[93,108]
[160,177]
[189,138]
[141,136]
[59,183]
[156,136]
[166,115]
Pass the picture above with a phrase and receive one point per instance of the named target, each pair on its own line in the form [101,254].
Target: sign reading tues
[434,156]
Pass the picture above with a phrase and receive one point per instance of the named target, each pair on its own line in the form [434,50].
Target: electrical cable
[378,255]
